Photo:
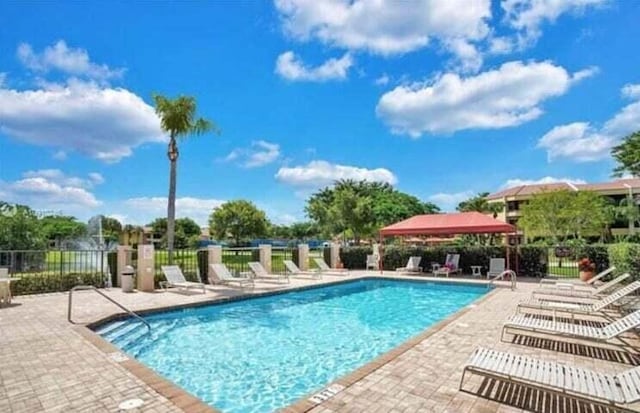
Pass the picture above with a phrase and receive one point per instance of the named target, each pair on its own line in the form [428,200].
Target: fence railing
[278,255]
[188,260]
[237,259]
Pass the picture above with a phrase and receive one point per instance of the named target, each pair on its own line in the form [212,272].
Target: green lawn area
[564,271]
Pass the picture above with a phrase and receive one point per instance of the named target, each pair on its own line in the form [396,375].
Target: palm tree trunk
[172,153]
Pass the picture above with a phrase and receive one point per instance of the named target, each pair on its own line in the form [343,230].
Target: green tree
[59,228]
[238,220]
[479,203]
[559,215]
[187,232]
[178,119]
[111,229]
[627,155]
[19,228]
[629,211]
[360,208]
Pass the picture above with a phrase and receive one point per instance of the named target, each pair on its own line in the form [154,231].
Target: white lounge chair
[581,293]
[175,278]
[220,274]
[324,268]
[527,324]
[294,270]
[496,267]
[577,307]
[413,265]
[372,262]
[260,272]
[552,282]
[576,382]
[451,266]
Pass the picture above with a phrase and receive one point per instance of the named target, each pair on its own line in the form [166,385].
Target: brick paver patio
[48,364]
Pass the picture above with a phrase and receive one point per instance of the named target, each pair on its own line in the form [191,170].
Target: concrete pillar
[303,257]
[334,255]
[124,258]
[214,254]
[265,256]
[146,268]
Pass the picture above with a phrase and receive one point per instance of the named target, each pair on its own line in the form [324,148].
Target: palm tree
[178,119]
[628,210]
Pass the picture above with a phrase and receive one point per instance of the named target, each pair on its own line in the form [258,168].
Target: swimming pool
[261,354]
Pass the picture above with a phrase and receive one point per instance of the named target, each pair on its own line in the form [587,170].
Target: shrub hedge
[626,257]
[48,283]
[532,259]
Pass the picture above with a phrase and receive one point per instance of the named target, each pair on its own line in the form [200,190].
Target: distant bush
[532,261]
[626,258]
[48,283]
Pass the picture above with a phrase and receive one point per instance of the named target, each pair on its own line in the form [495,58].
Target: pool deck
[50,365]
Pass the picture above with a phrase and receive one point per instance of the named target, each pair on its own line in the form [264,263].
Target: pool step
[137,346]
[110,328]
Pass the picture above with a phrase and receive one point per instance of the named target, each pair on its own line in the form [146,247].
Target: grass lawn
[564,271]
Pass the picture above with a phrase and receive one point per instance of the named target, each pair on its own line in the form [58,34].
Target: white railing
[512,276]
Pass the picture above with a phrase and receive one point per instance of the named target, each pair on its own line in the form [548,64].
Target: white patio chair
[372,262]
[561,379]
[496,267]
[220,274]
[175,278]
[324,268]
[521,324]
[413,265]
[581,293]
[576,307]
[260,272]
[294,270]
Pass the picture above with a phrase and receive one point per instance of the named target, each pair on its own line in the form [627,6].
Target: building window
[513,206]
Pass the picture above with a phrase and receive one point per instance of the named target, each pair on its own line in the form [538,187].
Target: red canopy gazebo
[449,224]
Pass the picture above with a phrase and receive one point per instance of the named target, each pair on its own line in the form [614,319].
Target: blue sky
[441,99]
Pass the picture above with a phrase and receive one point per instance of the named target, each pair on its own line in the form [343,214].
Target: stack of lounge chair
[538,316]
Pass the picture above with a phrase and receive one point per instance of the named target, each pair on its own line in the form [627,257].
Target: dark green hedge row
[48,283]
[532,259]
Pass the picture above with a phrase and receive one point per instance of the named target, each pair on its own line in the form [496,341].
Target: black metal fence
[45,271]
[237,259]
[192,263]
[278,255]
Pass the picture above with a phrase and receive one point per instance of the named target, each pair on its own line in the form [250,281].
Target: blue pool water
[262,354]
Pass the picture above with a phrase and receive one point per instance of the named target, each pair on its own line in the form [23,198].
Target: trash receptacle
[126,279]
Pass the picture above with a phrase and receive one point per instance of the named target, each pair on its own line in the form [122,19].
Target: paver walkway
[46,365]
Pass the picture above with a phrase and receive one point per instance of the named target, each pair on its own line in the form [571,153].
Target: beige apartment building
[514,198]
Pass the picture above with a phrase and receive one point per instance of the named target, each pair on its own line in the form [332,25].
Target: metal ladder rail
[91,287]
[512,276]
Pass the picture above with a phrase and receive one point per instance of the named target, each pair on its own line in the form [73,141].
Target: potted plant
[586,268]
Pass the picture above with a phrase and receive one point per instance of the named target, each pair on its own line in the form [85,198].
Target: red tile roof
[524,190]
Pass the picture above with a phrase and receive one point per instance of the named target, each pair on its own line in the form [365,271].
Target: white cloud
[58,177]
[503,97]
[290,67]
[259,154]
[59,155]
[546,180]
[449,201]
[317,174]
[103,123]
[60,57]
[3,78]
[527,16]
[382,80]
[386,28]
[584,142]
[501,45]
[631,91]
[143,210]
[51,189]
